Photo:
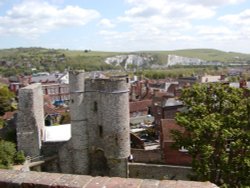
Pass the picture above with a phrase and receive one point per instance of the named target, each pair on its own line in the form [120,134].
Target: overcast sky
[126,25]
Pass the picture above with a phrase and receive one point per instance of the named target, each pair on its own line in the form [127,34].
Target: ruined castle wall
[108,125]
[100,143]
[74,155]
[30,119]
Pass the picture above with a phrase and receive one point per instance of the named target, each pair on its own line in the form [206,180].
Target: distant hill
[25,60]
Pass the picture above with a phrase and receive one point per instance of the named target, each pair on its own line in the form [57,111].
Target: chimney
[222,77]
[243,83]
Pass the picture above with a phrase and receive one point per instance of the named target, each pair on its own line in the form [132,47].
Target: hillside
[23,60]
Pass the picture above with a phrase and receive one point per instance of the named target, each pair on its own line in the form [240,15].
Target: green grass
[205,54]
[49,59]
[161,56]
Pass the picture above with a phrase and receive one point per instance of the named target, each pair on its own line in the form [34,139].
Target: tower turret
[107,112]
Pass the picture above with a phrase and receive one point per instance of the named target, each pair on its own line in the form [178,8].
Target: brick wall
[18,179]
[170,112]
[174,156]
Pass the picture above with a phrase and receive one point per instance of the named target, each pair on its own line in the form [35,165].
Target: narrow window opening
[100,131]
[95,106]
[116,139]
[127,79]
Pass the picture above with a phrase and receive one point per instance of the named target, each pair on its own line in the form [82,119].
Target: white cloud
[214,3]
[168,24]
[239,23]
[168,9]
[209,30]
[158,22]
[31,18]
[240,20]
[106,23]
[160,18]
[163,15]
[217,35]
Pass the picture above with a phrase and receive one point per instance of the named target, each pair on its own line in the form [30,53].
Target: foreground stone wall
[160,172]
[18,179]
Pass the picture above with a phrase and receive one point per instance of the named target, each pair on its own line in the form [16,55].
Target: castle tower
[74,155]
[100,143]
[30,120]
[106,109]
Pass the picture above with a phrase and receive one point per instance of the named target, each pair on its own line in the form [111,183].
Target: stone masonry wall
[30,119]
[160,172]
[147,156]
[107,112]
[18,179]
[73,156]
[100,142]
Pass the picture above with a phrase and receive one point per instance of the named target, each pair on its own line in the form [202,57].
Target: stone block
[98,182]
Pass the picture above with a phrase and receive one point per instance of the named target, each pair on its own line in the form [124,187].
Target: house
[56,91]
[139,108]
[140,90]
[171,155]
[213,79]
[55,85]
[8,115]
[4,81]
[165,108]
[184,81]
[52,114]
[17,82]
[45,77]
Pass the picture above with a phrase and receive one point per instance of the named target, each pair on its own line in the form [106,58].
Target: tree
[9,155]
[6,97]
[217,124]
[65,119]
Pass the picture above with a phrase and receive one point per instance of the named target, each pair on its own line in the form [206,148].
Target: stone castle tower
[99,109]
[100,143]
[30,121]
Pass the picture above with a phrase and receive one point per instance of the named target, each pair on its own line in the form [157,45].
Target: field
[22,60]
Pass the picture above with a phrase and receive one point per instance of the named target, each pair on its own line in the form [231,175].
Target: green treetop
[217,124]
[6,97]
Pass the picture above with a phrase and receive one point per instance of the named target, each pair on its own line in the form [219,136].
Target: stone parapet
[16,179]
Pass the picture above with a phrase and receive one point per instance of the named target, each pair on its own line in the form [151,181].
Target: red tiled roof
[161,94]
[8,115]
[139,105]
[4,81]
[50,109]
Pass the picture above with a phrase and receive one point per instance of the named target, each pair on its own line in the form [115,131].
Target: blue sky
[126,25]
